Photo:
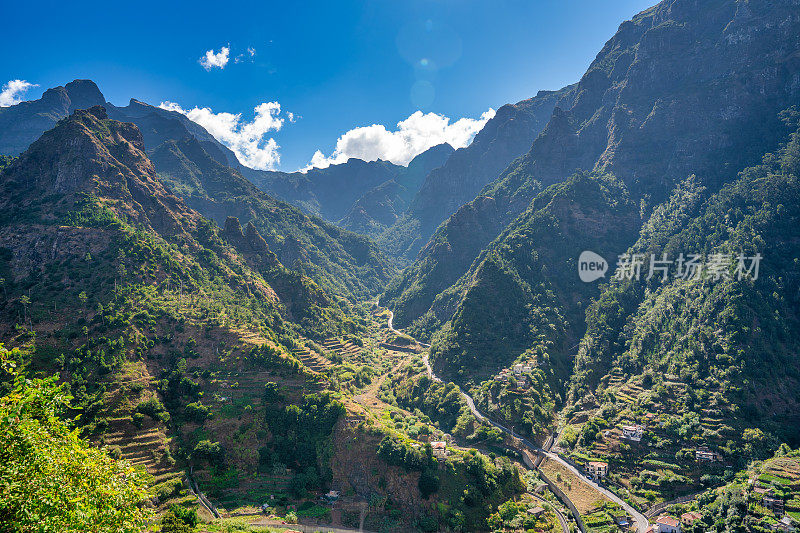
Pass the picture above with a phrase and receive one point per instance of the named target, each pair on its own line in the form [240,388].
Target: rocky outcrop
[90,154]
[249,243]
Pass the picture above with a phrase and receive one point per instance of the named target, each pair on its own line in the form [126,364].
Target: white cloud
[215,60]
[413,136]
[248,140]
[13,91]
[249,55]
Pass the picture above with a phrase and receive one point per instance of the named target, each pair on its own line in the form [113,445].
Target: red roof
[668,521]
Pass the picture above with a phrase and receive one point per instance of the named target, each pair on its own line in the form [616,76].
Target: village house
[536,511]
[597,469]
[667,524]
[439,449]
[332,496]
[527,369]
[518,369]
[691,517]
[704,455]
[633,433]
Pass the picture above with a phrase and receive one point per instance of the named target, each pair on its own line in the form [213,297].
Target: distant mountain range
[207,175]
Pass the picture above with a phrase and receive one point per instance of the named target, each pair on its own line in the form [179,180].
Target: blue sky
[335,65]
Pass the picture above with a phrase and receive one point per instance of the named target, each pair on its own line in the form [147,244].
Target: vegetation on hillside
[50,478]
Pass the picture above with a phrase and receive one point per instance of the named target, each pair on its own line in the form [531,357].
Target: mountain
[160,125]
[521,299]
[734,336]
[25,122]
[187,348]
[704,364]
[207,176]
[338,260]
[678,90]
[358,195]
[505,136]
[383,205]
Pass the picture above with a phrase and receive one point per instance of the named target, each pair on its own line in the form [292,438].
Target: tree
[83,298]
[428,483]
[170,523]
[25,301]
[179,520]
[50,478]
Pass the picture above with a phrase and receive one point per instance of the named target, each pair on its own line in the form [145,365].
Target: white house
[633,433]
[597,469]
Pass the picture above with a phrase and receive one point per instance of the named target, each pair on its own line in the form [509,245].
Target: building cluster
[767,498]
[519,372]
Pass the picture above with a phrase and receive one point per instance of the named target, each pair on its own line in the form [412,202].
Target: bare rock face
[249,243]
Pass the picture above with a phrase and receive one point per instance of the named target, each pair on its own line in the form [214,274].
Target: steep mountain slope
[522,300]
[206,176]
[685,87]
[383,205]
[177,349]
[506,136]
[160,125]
[25,122]
[724,332]
[355,194]
[176,340]
[344,262]
[701,359]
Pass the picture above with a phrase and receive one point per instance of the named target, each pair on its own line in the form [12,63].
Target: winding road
[642,523]
[562,520]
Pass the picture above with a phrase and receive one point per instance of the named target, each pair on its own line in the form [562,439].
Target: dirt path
[369,399]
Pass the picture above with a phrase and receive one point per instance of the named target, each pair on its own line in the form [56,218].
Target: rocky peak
[87,153]
[83,94]
[233,230]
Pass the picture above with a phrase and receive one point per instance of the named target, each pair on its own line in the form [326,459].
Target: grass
[583,495]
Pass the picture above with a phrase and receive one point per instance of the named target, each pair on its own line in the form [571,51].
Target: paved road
[642,523]
[562,520]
